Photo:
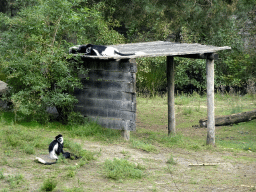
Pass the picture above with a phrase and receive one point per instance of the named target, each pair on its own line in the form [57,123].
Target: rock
[3,88]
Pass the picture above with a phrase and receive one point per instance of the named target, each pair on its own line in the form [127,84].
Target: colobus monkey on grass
[55,149]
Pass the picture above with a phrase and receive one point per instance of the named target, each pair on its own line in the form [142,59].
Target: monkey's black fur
[97,50]
[56,148]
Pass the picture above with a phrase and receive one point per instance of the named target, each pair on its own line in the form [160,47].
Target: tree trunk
[231,119]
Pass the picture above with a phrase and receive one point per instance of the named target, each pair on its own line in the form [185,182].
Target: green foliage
[1,174]
[34,61]
[143,146]
[151,76]
[216,23]
[19,137]
[76,149]
[15,180]
[122,169]
[49,185]
[92,129]
[171,161]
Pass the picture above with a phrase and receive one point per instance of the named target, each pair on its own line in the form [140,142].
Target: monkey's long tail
[124,54]
[45,162]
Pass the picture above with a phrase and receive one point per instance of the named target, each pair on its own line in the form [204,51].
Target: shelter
[109,93]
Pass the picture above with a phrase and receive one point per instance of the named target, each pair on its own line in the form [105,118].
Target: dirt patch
[228,173]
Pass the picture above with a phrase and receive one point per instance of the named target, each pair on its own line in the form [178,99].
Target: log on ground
[231,119]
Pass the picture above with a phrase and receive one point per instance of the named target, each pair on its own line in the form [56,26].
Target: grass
[122,169]
[137,144]
[13,181]
[49,185]
[171,161]
[21,142]
[189,110]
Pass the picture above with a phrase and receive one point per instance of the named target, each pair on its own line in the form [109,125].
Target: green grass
[122,169]
[27,139]
[95,132]
[137,144]
[171,161]
[49,185]
[1,174]
[238,137]
[189,110]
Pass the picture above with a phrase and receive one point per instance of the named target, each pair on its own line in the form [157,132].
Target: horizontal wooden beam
[211,56]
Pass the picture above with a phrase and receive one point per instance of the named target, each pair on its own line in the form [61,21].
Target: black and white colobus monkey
[98,50]
[55,149]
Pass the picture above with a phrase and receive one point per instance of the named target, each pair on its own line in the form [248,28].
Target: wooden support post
[126,134]
[210,101]
[170,82]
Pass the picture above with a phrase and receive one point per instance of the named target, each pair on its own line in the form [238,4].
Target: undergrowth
[122,169]
[49,185]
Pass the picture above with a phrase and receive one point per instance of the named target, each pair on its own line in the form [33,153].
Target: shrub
[49,185]
[122,169]
[34,59]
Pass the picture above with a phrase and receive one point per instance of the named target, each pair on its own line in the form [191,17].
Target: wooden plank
[160,48]
[122,65]
[205,164]
[95,75]
[115,123]
[104,94]
[103,112]
[110,86]
[171,105]
[210,102]
[107,104]
[201,56]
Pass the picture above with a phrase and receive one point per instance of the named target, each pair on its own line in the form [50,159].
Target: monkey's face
[88,50]
[60,140]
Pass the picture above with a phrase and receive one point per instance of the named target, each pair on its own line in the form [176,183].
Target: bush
[122,169]
[49,185]
[34,58]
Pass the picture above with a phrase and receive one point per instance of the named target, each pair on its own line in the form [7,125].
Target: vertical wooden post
[125,134]
[170,82]
[210,100]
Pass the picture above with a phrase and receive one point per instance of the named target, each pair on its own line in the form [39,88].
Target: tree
[34,44]
[209,22]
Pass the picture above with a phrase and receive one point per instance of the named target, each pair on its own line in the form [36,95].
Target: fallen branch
[231,119]
[249,186]
[204,164]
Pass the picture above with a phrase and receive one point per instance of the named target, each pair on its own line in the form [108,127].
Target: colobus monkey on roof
[98,50]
